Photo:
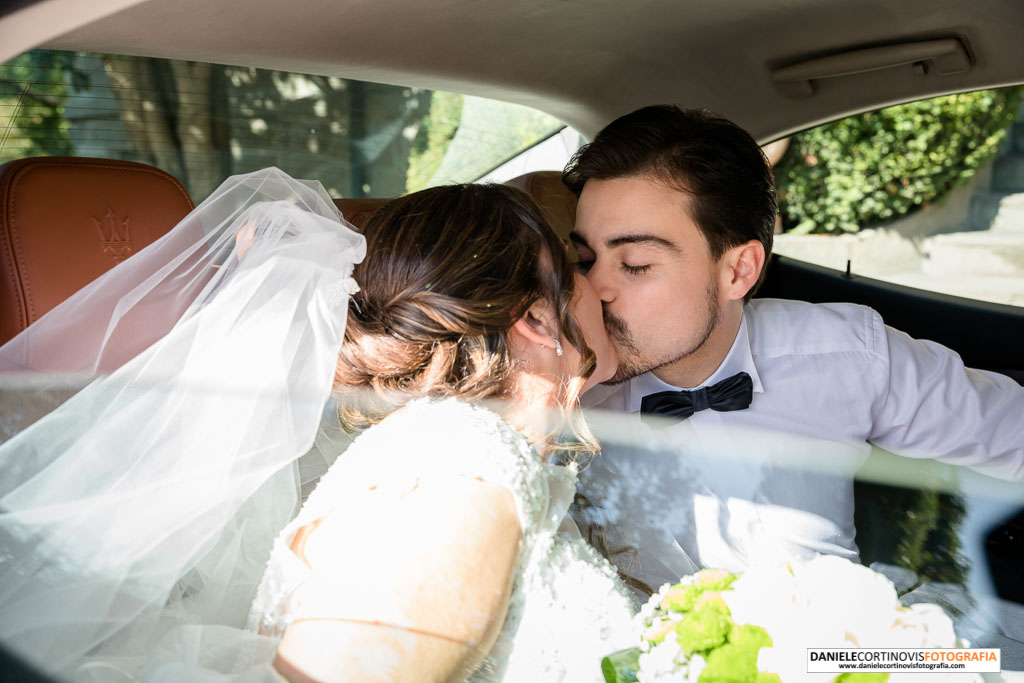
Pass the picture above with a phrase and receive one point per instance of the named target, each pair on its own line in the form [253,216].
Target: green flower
[703,629]
[736,661]
[714,579]
[712,600]
[683,598]
[731,663]
[656,633]
[750,636]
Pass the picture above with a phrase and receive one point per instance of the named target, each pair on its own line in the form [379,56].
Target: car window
[203,122]
[928,194]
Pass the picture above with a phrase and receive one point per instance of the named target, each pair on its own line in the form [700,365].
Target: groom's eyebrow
[640,238]
[629,238]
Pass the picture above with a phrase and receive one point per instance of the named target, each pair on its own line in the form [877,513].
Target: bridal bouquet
[715,626]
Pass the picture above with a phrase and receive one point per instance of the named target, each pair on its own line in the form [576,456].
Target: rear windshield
[203,122]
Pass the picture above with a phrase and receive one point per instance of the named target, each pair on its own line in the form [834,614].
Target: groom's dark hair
[708,157]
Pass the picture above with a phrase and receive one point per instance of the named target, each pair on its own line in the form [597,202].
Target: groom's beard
[633,362]
[627,348]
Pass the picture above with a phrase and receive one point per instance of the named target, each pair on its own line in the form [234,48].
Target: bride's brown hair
[448,271]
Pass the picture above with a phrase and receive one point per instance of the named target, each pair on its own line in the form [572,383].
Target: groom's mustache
[618,331]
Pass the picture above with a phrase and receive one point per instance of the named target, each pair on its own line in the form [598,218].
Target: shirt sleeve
[931,406]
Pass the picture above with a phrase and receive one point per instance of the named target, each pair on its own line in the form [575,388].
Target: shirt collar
[739,359]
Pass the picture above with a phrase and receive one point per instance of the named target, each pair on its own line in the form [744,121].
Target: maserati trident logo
[115,237]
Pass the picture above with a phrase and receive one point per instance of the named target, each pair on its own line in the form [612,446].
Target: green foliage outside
[433,138]
[917,529]
[33,90]
[489,133]
[876,167]
[202,122]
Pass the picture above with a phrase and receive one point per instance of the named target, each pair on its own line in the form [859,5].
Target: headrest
[555,200]
[64,221]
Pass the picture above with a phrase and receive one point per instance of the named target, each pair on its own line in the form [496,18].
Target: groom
[744,420]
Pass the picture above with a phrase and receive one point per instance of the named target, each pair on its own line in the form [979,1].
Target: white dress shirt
[774,481]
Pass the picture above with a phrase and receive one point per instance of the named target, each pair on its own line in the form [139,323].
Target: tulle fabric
[139,515]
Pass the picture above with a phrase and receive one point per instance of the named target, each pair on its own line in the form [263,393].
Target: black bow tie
[733,393]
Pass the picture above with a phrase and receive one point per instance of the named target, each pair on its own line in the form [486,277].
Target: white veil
[150,498]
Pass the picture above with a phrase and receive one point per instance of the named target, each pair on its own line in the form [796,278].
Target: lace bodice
[567,608]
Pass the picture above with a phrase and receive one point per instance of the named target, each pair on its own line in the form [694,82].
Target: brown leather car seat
[64,221]
[545,187]
[555,200]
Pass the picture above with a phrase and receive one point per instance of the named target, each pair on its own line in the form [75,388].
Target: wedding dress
[568,608]
[137,518]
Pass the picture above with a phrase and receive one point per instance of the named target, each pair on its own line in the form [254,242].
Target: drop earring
[558,346]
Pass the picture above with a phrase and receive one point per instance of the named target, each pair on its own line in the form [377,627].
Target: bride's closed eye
[635,270]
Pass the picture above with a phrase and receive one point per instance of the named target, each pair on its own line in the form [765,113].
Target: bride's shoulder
[445,434]
[449,422]
[439,437]
[445,408]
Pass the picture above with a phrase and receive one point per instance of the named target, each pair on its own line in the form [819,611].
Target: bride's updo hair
[448,271]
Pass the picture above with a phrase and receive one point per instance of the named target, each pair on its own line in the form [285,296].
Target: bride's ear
[538,325]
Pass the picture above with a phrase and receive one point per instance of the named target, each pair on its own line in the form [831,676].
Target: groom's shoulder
[605,397]
[785,326]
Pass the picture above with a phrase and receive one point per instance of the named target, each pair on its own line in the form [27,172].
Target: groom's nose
[601,282]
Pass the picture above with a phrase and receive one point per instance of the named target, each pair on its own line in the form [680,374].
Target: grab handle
[947,56]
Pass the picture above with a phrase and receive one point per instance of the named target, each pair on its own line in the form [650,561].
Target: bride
[151,517]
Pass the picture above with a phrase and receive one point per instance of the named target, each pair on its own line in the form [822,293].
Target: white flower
[850,596]
[827,602]
[647,611]
[763,596]
[923,625]
[659,665]
[697,666]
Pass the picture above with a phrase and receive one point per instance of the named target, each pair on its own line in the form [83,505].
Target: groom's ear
[740,269]
[538,324]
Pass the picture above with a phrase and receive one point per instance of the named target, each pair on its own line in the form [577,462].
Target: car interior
[45,258]
[775,67]
[801,63]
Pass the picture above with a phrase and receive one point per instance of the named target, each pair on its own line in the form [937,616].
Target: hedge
[875,167]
